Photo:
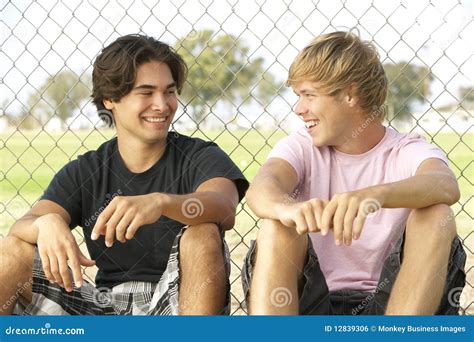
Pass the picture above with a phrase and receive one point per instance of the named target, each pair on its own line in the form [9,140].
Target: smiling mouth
[311,123]
[155,119]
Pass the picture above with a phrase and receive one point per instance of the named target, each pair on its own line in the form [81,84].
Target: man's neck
[139,156]
[363,140]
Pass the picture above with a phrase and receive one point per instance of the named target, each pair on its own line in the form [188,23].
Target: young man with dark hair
[153,206]
[356,216]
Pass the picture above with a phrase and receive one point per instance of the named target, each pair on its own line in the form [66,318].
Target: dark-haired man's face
[147,111]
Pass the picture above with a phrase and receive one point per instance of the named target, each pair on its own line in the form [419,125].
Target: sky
[41,38]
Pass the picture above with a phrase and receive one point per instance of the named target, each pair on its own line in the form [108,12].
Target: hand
[57,246]
[125,214]
[347,213]
[304,216]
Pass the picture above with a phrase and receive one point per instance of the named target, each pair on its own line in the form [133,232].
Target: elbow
[250,199]
[452,192]
[228,218]
[453,196]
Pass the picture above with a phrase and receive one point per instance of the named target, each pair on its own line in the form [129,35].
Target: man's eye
[171,91]
[146,93]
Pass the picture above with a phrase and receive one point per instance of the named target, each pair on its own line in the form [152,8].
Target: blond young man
[356,216]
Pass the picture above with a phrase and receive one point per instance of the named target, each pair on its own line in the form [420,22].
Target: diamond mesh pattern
[41,39]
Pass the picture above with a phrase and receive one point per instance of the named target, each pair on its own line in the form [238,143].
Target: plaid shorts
[130,298]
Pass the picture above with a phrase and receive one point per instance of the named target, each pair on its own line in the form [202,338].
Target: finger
[64,272]
[46,265]
[359,224]
[123,225]
[301,226]
[73,258]
[111,226]
[339,222]
[85,261]
[327,216]
[53,262]
[136,223]
[351,213]
[100,224]
[318,209]
[310,219]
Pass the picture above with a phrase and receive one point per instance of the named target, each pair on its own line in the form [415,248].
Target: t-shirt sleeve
[414,150]
[210,162]
[65,190]
[290,150]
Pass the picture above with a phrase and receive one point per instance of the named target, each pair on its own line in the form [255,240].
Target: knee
[436,223]
[274,236]
[201,240]
[15,253]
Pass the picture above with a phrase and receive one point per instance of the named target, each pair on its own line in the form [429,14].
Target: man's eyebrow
[305,91]
[152,87]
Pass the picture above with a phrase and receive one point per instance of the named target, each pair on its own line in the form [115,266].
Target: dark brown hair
[115,69]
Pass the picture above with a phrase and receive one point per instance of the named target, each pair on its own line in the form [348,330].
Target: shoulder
[401,141]
[99,157]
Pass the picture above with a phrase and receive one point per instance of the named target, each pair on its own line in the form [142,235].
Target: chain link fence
[48,47]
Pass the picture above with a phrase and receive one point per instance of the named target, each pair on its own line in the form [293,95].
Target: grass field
[30,159]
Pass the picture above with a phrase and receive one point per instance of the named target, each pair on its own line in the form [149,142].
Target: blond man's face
[328,119]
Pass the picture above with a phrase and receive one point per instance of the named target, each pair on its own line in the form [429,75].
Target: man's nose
[299,108]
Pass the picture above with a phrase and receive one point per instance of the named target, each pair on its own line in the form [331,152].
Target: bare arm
[47,225]
[433,183]
[214,201]
[26,228]
[270,196]
[271,188]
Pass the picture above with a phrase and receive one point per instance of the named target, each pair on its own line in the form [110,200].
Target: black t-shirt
[85,186]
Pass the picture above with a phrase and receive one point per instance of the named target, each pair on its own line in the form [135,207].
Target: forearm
[199,207]
[266,197]
[25,229]
[419,191]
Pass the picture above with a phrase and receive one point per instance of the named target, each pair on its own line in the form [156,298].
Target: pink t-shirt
[324,171]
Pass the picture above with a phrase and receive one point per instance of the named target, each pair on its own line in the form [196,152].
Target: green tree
[60,94]
[221,69]
[408,84]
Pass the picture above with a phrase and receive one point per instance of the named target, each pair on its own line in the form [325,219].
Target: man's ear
[351,97]
[108,104]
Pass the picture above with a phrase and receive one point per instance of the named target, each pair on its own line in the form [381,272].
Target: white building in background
[446,121]
[53,125]
[3,124]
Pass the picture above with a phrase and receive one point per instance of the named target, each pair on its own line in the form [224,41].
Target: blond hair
[340,59]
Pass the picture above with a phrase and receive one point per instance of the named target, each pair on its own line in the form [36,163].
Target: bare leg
[16,263]
[419,285]
[202,289]
[281,255]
